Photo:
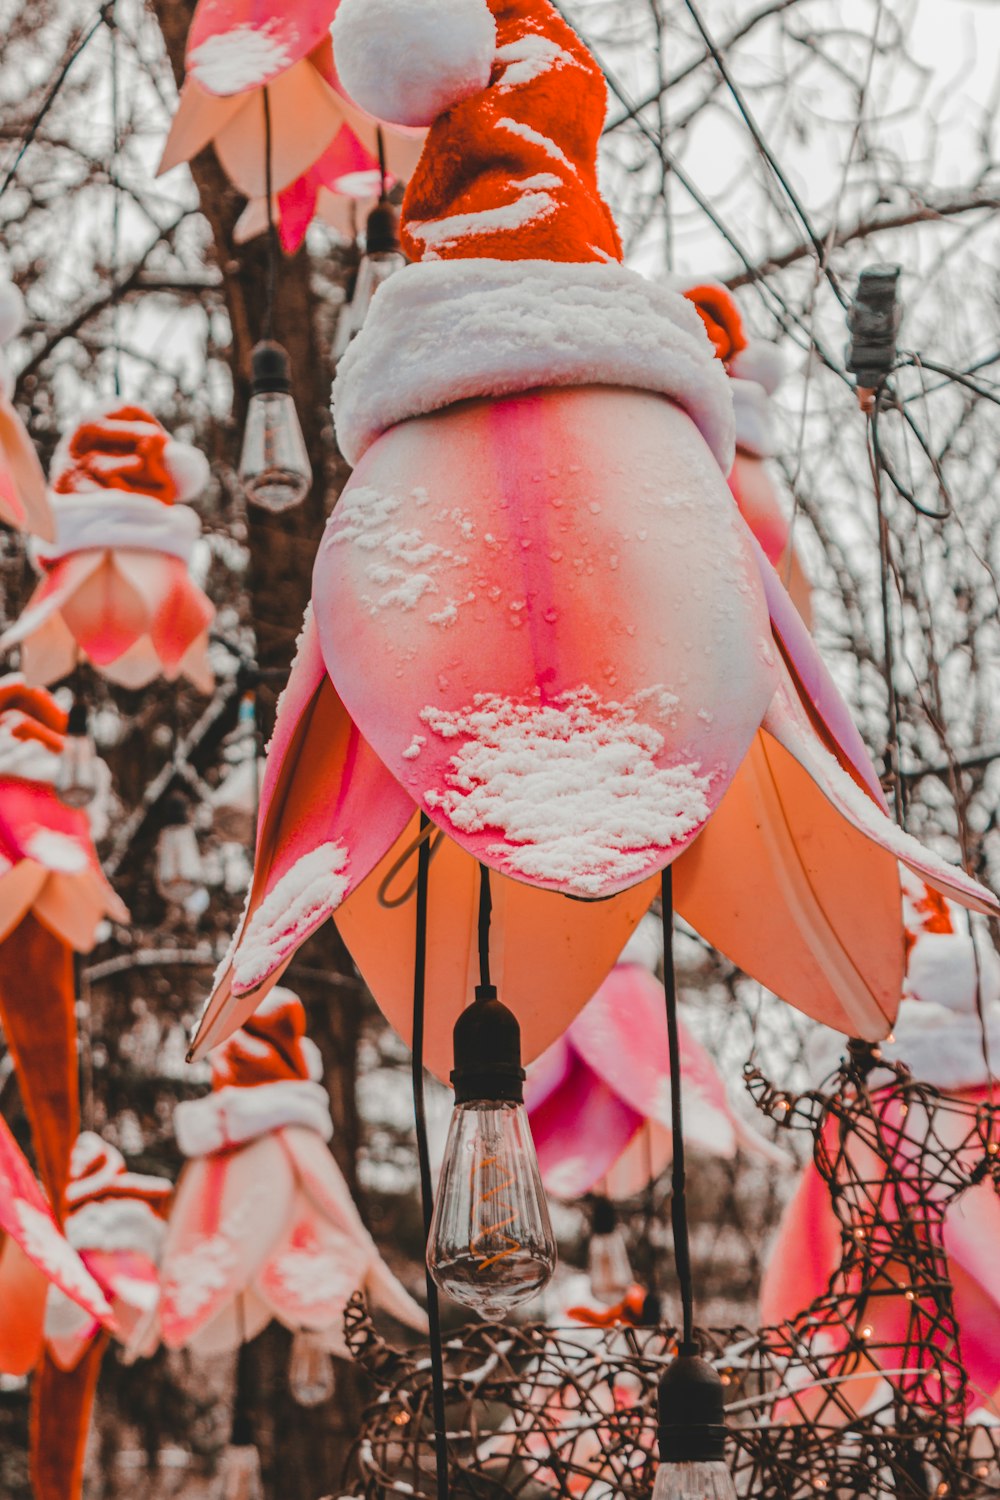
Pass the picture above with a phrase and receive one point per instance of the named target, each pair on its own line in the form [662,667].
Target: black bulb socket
[271,369]
[174,810]
[76,720]
[487,1041]
[692,1417]
[382,230]
[604,1217]
[873,320]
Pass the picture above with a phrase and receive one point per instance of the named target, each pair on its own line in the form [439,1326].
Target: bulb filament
[502,1205]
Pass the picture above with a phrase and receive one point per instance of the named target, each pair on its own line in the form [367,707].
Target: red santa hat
[518,283]
[756,366]
[124,448]
[271,1047]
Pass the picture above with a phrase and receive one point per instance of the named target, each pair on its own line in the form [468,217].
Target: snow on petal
[315,883]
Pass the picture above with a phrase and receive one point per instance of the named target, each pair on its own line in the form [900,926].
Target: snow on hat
[107,1206]
[125,448]
[271,1047]
[509,169]
[517,285]
[756,366]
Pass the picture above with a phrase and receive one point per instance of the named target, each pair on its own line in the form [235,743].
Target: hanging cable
[115,203]
[272,247]
[423,1157]
[101,18]
[678,1199]
[485,915]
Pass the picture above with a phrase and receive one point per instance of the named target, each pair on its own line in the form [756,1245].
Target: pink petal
[305,116]
[580,1132]
[565,666]
[19,461]
[312,1272]
[199,119]
[275,33]
[106,613]
[329,810]
[178,610]
[229,1212]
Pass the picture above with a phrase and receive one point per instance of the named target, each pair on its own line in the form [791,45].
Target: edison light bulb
[76,780]
[692,1433]
[607,1255]
[382,257]
[311,1378]
[275,471]
[179,871]
[491,1244]
[238,1476]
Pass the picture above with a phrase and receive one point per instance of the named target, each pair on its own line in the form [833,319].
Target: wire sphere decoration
[862,1394]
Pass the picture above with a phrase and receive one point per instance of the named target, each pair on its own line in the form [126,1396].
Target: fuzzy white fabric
[407,61]
[761,362]
[233,1116]
[117,1224]
[188,468]
[444,331]
[754,424]
[114,518]
[944,1048]
[28,759]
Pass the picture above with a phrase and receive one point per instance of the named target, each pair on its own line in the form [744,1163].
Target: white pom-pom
[762,362]
[407,61]
[188,468]
[11,311]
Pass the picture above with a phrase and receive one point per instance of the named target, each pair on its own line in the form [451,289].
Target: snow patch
[303,897]
[408,566]
[528,58]
[415,746]
[315,1276]
[572,785]
[243,58]
[42,1243]
[507,216]
[56,851]
[117,1224]
[517,127]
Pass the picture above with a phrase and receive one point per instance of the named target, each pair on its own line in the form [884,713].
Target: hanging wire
[103,17]
[116,196]
[485,915]
[892,699]
[678,1196]
[272,238]
[423,1157]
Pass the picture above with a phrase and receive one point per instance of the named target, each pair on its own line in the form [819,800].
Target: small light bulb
[238,1476]
[275,471]
[491,1245]
[179,870]
[867,1331]
[76,779]
[607,1255]
[382,258]
[311,1377]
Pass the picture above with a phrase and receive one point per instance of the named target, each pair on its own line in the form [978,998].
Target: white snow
[117,1224]
[572,785]
[196,1276]
[43,1243]
[243,58]
[528,58]
[312,1276]
[407,566]
[507,216]
[415,746]
[517,127]
[443,331]
[308,892]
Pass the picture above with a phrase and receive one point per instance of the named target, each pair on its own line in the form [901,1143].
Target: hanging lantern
[274,466]
[179,868]
[490,1244]
[311,1377]
[78,781]
[608,1265]
[692,1433]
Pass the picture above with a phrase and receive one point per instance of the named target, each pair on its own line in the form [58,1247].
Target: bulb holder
[76,721]
[604,1217]
[382,230]
[174,813]
[271,369]
[873,322]
[487,1042]
[692,1416]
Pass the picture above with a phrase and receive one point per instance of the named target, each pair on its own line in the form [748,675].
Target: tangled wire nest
[844,1399]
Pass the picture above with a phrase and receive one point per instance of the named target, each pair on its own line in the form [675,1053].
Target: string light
[275,471]
[76,780]
[311,1377]
[179,871]
[607,1255]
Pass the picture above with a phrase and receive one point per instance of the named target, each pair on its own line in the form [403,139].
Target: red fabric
[267,1049]
[60,1418]
[122,450]
[34,714]
[721,318]
[39,1022]
[473,163]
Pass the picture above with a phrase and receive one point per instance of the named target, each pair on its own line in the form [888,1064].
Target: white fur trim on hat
[233,1116]
[762,362]
[11,311]
[407,61]
[116,518]
[188,467]
[117,1224]
[754,424]
[444,331]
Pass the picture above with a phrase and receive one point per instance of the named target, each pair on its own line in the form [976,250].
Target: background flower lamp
[116,587]
[24,501]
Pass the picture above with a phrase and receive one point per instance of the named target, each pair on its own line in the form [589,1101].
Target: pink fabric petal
[57,587]
[787,889]
[261,38]
[200,117]
[566,679]
[548,1073]
[297,204]
[805,1253]
[229,1212]
[19,461]
[106,613]
[547,954]
[305,116]
[23,1293]
[580,1132]
[329,810]
[27,1218]
[178,611]
[312,1272]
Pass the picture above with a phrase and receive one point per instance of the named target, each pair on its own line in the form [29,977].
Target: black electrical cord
[485,915]
[424,1160]
[678,1203]
[272,245]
